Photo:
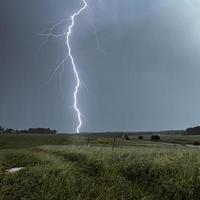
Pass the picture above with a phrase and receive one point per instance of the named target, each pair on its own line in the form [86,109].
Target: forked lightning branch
[69,56]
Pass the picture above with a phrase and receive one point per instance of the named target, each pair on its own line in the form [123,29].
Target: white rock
[14,170]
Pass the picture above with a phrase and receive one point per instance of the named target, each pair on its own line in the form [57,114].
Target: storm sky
[139,62]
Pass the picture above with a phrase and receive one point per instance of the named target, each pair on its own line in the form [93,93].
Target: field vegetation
[60,167]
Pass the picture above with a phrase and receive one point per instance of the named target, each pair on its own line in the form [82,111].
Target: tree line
[27,131]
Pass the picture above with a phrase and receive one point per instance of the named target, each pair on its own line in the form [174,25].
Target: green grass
[28,141]
[64,167]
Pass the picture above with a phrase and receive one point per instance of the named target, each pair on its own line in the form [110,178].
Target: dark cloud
[139,60]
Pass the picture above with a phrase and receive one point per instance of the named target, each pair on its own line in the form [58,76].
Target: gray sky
[138,60]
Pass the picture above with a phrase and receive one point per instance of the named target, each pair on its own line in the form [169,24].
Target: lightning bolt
[68,34]
[69,56]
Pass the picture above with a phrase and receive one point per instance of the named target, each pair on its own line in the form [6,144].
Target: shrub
[126,137]
[140,137]
[155,137]
[196,143]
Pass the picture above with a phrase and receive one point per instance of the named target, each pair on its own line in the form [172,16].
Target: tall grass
[87,173]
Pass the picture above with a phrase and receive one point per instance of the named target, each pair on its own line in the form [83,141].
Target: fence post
[113,145]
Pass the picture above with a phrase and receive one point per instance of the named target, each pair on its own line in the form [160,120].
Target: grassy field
[60,167]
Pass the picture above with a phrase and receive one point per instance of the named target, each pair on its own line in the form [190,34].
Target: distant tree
[23,131]
[140,137]
[41,131]
[17,131]
[193,131]
[9,130]
[155,137]
[1,129]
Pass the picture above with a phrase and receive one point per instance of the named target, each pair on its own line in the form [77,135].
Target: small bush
[140,137]
[155,137]
[126,137]
[196,143]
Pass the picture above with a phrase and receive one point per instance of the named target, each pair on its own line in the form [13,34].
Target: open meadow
[60,167]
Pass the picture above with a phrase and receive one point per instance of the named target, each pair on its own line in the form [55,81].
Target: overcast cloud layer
[139,61]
